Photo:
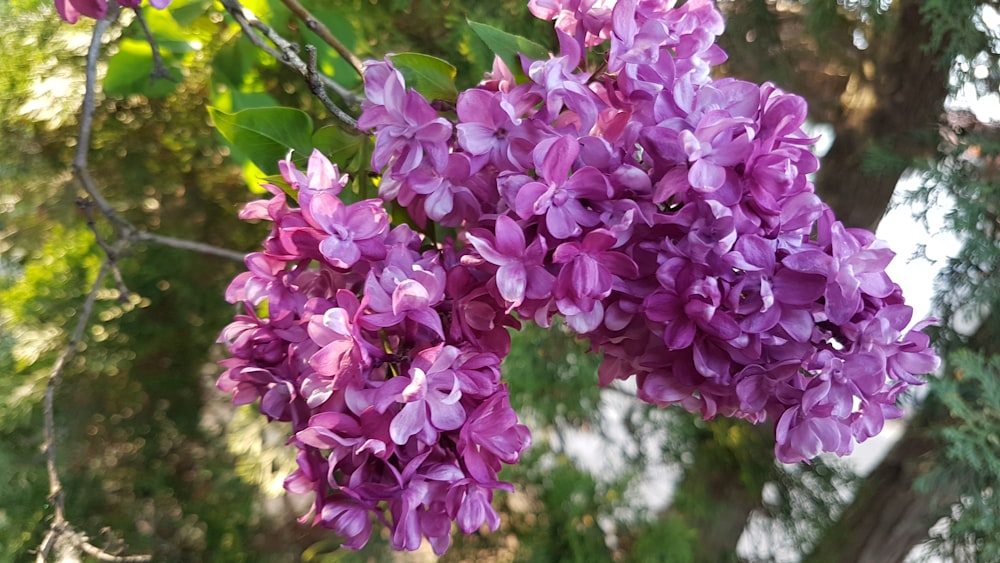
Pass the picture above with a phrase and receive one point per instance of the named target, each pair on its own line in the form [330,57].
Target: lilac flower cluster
[666,215]
[385,358]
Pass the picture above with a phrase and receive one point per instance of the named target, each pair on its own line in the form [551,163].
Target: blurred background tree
[151,452]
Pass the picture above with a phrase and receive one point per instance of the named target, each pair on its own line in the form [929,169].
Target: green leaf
[508,45]
[169,33]
[431,76]
[340,146]
[185,12]
[129,70]
[265,135]
[254,177]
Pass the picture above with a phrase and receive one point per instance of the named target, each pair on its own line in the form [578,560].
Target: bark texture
[890,117]
[888,516]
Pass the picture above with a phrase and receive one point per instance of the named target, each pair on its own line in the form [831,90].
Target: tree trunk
[890,116]
[731,463]
[888,516]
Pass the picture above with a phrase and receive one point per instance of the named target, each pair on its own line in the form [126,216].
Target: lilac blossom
[557,197]
[667,215]
[521,272]
[587,277]
[71,10]
[408,128]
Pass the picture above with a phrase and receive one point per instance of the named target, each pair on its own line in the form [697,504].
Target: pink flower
[557,194]
[407,127]
[521,273]
[71,10]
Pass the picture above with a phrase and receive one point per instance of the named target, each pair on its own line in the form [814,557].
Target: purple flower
[407,128]
[352,231]
[322,176]
[521,273]
[561,89]
[341,358]
[666,215]
[587,20]
[430,399]
[469,505]
[634,41]
[557,195]
[491,435]
[350,520]
[491,125]
[587,277]
[408,287]
[71,10]
[860,268]
[719,141]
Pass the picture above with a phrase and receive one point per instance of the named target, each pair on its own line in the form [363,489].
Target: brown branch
[320,29]
[113,251]
[160,70]
[191,245]
[59,524]
[288,53]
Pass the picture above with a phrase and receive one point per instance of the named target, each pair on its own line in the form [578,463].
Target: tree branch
[101,555]
[316,85]
[59,524]
[288,53]
[126,232]
[61,533]
[185,244]
[320,29]
[87,121]
[160,70]
[113,251]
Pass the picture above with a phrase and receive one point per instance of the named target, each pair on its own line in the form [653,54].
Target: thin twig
[320,29]
[87,121]
[101,555]
[185,244]
[160,70]
[56,497]
[113,251]
[126,231]
[286,52]
[316,87]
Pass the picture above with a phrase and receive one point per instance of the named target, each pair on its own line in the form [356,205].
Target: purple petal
[409,295]
[512,279]
[706,176]
[410,420]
